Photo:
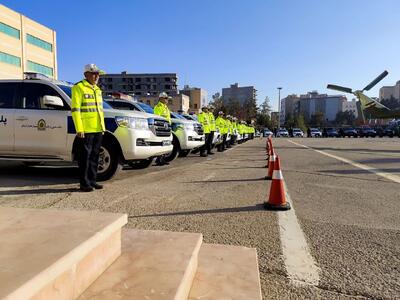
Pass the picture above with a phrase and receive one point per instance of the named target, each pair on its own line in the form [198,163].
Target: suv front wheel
[109,164]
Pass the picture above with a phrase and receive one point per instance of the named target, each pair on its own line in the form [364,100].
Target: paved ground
[350,216]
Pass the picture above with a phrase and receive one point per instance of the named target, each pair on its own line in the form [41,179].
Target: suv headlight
[189,126]
[132,122]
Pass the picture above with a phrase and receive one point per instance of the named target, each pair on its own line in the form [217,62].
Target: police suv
[36,126]
[187,134]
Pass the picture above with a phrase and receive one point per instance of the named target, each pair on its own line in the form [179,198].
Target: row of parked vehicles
[364,131]
[36,127]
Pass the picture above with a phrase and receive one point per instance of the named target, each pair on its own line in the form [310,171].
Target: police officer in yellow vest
[213,128]
[204,120]
[162,110]
[88,116]
[220,123]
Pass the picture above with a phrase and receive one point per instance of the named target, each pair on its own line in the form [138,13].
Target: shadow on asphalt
[257,207]
[387,160]
[357,149]
[38,191]
[360,171]
[227,180]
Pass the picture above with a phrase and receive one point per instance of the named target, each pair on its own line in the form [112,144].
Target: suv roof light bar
[39,76]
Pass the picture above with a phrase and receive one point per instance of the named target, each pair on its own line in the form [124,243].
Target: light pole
[279,107]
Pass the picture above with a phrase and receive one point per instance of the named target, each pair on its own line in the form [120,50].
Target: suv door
[40,130]
[8,98]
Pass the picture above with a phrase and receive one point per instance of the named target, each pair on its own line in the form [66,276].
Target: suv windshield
[66,89]
[147,108]
[176,116]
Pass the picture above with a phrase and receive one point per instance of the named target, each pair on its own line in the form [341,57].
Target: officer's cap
[92,68]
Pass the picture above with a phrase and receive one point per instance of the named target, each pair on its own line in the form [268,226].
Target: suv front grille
[198,128]
[161,128]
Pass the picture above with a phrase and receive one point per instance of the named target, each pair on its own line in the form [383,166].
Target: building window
[109,79]
[167,79]
[10,59]
[154,87]
[147,79]
[124,87]
[38,42]
[109,87]
[35,67]
[195,105]
[138,80]
[167,87]
[137,86]
[124,79]
[11,31]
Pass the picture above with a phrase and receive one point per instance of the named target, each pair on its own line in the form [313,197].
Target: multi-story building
[25,46]
[313,102]
[351,106]
[198,98]
[242,94]
[147,84]
[289,106]
[176,103]
[387,92]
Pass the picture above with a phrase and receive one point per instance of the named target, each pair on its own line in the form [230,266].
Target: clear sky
[300,45]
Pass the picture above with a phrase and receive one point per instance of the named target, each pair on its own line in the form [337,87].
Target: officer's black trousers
[221,146]
[204,148]
[209,142]
[88,158]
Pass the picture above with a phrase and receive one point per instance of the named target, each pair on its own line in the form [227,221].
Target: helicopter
[367,106]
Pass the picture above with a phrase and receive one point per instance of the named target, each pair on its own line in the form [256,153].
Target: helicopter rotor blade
[340,88]
[376,80]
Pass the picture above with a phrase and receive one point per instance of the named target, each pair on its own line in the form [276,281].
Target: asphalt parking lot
[345,193]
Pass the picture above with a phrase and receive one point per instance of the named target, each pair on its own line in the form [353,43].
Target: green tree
[265,107]
[318,119]
[345,118]
[300,122]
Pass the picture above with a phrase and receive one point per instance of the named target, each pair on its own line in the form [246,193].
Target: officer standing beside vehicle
[162,110]
[220,124]
[204,120]
[213,128]
[88,116]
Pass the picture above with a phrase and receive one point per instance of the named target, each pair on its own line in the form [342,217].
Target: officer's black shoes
[97,186]
[203,154]
[210,153]
[86,189]
[166,163]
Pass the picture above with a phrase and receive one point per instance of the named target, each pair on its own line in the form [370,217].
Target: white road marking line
[378,172]
[212,175]
[300,265]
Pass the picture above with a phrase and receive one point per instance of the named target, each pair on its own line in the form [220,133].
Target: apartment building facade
[179,102]
[198,98]
[388,92]
[351,106]
[25,46]
[144,84]
[242,94]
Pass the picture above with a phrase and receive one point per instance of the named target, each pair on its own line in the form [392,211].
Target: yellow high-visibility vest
[87,107]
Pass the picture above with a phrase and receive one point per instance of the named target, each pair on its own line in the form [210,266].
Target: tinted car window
[33,94]
[7,94]
[122,105]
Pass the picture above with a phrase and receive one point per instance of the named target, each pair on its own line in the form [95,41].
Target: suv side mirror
[53,101]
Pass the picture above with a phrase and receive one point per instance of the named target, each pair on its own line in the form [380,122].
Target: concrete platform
[226,272]
[50,254]
[153,265]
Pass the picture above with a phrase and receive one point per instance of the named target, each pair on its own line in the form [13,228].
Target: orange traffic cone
[271,162]
[277,195]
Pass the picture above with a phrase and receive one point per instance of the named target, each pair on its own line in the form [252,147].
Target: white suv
[37,127]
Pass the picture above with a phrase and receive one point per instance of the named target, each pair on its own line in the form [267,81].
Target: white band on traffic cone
[277,174]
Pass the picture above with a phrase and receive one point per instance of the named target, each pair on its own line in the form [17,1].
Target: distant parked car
[315,132]
[330,132]
[267,132]
[348,131]
[257,134]
[366,132]
[297,132]
[282,132]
